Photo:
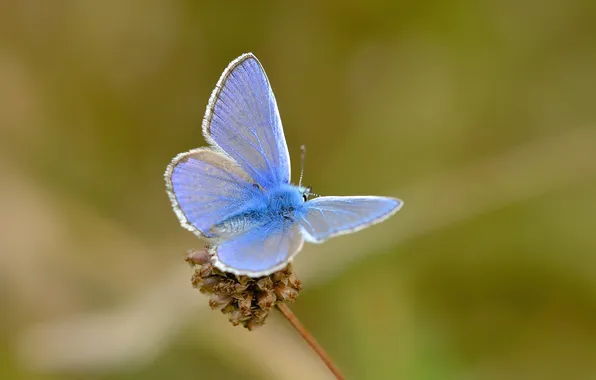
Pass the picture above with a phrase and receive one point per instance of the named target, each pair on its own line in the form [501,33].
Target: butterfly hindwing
[205,187]
[260,251]
[331,216]
[242,119]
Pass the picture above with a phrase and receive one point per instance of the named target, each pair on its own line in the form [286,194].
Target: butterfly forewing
[242,119]
[330,216]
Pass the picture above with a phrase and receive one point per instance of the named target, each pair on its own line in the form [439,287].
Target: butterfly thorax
[285,202]
[279,206]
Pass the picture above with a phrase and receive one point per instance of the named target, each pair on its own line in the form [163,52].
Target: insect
[237,194]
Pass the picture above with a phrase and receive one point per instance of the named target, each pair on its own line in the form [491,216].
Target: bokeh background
[480,115]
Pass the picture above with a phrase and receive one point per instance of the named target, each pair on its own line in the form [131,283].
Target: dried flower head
[246,300]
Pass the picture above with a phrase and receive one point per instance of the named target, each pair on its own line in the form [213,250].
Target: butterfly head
[306,192]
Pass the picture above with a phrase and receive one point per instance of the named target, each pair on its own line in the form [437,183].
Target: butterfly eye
[306,192]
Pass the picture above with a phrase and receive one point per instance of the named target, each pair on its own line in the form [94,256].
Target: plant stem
[312,342]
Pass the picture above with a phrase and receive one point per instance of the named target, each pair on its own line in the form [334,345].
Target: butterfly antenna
[302,159]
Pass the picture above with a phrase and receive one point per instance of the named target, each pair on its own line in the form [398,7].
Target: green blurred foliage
[97,97]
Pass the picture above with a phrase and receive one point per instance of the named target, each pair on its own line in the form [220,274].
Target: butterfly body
[282,205]
[237,195]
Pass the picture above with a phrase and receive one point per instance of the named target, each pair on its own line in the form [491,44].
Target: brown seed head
[244,299]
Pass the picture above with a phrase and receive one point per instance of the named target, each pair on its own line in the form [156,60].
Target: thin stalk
[312,342]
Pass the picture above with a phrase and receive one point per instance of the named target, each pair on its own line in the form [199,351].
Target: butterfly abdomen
[237,224]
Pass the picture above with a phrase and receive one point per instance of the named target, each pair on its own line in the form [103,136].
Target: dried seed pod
[239,288]
[244,303]
[265,283]
[266,300]
[219,301]
[199,257]
[246,300]
[286,293]
[207,284]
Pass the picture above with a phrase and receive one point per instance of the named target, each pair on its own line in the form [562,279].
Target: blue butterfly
[237,195]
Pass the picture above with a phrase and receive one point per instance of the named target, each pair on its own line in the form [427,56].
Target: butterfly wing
[260,251]
[326,217]
[242,119]
[205,187]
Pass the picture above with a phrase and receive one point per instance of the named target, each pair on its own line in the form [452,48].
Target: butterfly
[237,195]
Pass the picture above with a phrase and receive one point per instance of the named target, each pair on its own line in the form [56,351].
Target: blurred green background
[481,116]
